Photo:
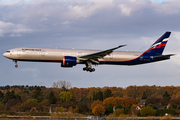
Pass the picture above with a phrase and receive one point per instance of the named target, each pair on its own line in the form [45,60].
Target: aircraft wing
[95,56]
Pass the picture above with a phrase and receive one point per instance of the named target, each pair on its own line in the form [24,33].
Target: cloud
[13,29]
[68,22]
[10,2]
[94,15]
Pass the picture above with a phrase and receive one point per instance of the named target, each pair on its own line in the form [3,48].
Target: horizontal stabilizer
[163,56]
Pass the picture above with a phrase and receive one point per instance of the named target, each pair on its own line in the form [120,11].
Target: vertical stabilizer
[158,47]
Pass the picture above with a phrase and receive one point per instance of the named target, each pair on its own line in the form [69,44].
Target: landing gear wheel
[15,63]
[85,69]
[88,69]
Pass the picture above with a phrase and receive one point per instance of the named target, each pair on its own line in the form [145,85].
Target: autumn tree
[129,100]
[70,109]
[51,98]
[153,100]
[107,93]
[118,94]
[144,96]
[29,104]
[175,101]
[110,109]
[43,106]
[65,96]
[12,105]
[119,106]
[95,103]
[1,96]
[130,91]
[127,109]
[11,95]
[108,101]
[91,92]
[64,85]
[98,95]
[94,95]
[166,95]
[25,95]
[118,100]
[37,94]
[99,109]
[76,110]
[137,91]
[1,106]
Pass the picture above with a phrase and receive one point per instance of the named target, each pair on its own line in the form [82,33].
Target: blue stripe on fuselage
[139,60]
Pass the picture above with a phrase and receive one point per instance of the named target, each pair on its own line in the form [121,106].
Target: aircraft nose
[5,55]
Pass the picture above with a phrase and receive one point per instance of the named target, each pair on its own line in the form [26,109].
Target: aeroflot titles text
[31,49]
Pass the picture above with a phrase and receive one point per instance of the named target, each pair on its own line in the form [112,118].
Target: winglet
[123,45]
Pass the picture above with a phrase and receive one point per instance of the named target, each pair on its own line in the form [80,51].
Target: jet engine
[69,61]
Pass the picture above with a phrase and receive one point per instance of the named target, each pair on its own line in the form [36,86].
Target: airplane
[72,57]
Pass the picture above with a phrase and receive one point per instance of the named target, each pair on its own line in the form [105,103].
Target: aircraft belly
[40,57]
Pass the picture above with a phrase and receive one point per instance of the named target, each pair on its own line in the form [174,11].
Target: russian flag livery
[157,48]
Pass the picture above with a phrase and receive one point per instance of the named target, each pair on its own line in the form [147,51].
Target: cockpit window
[8,51]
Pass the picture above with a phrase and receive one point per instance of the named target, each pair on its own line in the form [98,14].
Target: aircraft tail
[157,48]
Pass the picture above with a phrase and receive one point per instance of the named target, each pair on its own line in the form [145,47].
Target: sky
[89,24]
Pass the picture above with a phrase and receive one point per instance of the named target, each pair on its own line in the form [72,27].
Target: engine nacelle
[69,61]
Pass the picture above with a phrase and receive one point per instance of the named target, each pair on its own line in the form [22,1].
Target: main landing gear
[88,67]
[15,63]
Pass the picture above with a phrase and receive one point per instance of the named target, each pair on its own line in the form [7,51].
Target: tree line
[92,100]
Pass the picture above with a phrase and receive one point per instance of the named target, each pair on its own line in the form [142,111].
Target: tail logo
[160,44]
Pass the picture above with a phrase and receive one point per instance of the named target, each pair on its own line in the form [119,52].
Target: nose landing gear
[15,63]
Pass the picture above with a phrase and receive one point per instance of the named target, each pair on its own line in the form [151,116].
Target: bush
[110,116]
[169,117]
[118,112]
[119,106]
[65,114]
[3,115]
[122,116]
[148,111]
[162,112]
[60,109]
[127,110]
[110,109]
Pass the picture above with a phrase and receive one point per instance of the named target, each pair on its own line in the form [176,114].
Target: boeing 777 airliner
[72,57]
